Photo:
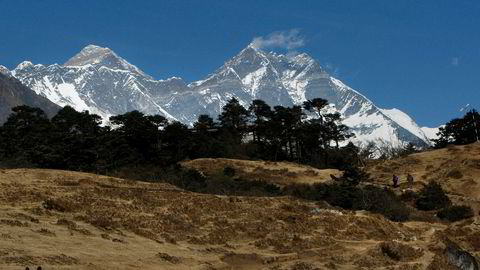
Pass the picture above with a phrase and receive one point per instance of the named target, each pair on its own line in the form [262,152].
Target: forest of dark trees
[77,141]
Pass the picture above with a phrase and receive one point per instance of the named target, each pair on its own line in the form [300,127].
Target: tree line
[77,141]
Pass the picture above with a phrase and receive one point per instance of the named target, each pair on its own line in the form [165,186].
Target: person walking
[395,180]
[410,181]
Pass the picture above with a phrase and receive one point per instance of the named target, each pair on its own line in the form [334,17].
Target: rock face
[98,80]
[460,258]
[14,93]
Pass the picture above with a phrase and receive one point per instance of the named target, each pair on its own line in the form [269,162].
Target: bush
[382,201]
[51,204]
[432,197]
[409,196]
[456,213]
[354,176]
[188,179]
[341,195]
[455,173]
[229,171]
[314,192]
[369,198]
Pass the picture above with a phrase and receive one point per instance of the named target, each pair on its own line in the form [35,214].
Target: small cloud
[335,71]
[289,40]
[465,107]
[455,61]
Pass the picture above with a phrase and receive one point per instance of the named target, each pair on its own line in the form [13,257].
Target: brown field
[280,173]
[456,168]
[70,220]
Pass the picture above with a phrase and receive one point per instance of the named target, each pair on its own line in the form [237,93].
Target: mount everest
[98,80]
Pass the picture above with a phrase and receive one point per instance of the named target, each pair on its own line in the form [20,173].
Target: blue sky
[422,57]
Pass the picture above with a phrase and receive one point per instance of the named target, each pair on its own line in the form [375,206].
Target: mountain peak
[24,64]
[249,50]
[102,56]
[91,54]
[4,70]
[93,47]
[302,59]
[253,47]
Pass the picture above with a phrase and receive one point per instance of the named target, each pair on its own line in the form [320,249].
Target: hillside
[456,168]
[280,173]
[13,93]
[69,220]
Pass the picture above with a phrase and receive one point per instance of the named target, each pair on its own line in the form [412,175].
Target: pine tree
[25,135]
[75,135]
[262,114]
[459,131]
[140,131]
[204,123]
[234,116]
[316,105]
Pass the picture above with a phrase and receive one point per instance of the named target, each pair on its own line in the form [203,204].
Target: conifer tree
[234,116]
[459,131]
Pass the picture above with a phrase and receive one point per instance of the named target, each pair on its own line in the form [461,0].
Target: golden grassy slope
[69,220]
[456,168]
[280,173]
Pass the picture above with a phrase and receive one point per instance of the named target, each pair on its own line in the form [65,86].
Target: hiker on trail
[410,181]
[395,180]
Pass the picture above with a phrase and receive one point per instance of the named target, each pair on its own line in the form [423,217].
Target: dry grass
[281,173]
[97,222]
[456,168]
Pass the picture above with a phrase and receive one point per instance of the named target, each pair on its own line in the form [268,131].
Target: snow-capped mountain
[13,93]
[98,80]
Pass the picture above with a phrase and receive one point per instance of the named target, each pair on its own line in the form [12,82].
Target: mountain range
[99,80]
[14,93]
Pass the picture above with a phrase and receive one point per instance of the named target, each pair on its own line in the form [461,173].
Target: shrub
[347,196]
[341,195]
[432,197]
[409,196]
[103,222]
[61,205]
[455,213]
[188,179]
[455,173]
[382,201]
[306,191]
[354,176]
[229,171]
[51,204]
[400,252]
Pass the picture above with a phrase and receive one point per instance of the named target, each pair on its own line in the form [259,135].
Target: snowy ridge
[4,70]
[88,83]
[431,133]
[98,80]
[405,121]
[96,55]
